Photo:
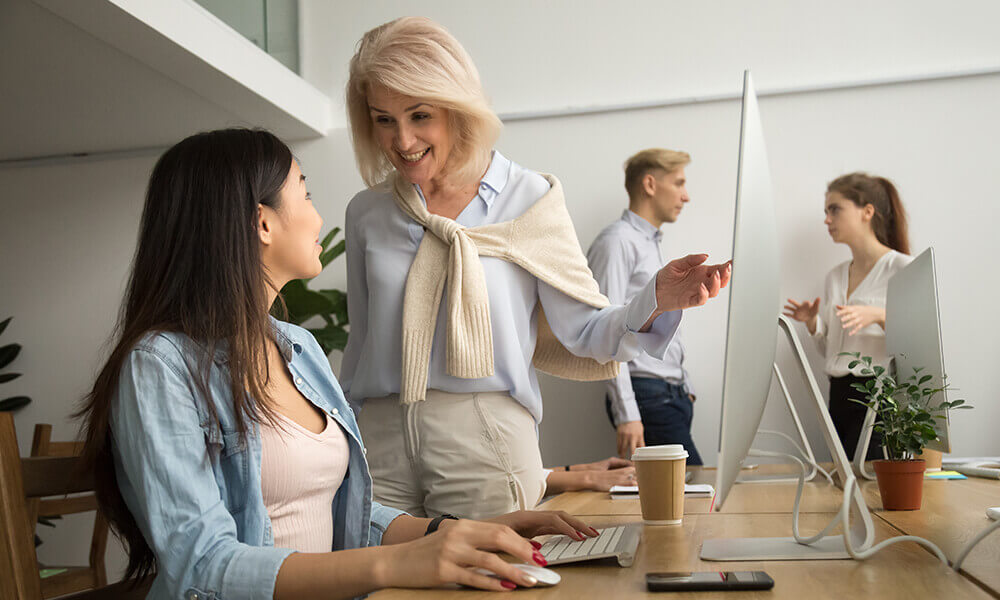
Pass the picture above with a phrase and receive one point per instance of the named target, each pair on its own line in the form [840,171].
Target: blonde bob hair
[651,159]
[416,57]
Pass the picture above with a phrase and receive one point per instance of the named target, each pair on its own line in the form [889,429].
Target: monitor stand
[861,452]
[861,533]
[805,449]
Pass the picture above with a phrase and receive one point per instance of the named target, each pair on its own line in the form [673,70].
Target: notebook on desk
[989,469]
[690,490]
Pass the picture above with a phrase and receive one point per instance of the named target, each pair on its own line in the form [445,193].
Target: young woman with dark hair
[226,457]
[865,213]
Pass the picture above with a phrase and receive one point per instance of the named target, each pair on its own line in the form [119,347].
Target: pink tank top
[300,473]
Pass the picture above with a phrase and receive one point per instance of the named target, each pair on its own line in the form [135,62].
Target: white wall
[68,230]
[934,139]
[544,55]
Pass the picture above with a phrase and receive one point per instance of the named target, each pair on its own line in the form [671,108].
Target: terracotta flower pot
[901,483]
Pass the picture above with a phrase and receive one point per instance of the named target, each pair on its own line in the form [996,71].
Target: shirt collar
[495,179]
[288,347]
[493,182]
[642,225]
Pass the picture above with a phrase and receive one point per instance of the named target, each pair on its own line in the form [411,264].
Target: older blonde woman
[447,388]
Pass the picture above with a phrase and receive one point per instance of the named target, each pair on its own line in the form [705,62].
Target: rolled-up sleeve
[165,476]
[382,516]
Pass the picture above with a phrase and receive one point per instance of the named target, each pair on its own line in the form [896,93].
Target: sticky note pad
[944,475]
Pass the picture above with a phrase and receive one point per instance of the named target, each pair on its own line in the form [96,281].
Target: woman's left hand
[530,523]
[858,317]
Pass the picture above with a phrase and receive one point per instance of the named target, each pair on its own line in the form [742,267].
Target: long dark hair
[889,222]
[197,271]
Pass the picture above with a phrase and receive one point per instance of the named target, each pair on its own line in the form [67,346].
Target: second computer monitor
[913,330]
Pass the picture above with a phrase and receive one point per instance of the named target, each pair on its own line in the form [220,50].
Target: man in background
[651,400]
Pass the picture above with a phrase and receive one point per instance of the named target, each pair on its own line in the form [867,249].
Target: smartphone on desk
[709,581]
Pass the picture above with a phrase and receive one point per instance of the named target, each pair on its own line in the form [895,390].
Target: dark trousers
[849,417]
[666,412]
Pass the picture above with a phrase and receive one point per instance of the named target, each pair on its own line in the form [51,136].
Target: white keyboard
[617,542]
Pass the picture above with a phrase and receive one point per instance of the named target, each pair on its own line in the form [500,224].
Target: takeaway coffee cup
[660,474]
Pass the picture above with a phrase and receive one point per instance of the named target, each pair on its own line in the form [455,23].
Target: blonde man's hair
[416,57]
[651,159]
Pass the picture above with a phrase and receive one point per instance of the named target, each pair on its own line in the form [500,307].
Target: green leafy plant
[7,355]
[905,409]
[330,305]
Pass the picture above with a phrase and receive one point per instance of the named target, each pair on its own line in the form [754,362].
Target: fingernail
[581,534]
[530,580]
[535,544]
[595,531]
[510,585]
[538,558]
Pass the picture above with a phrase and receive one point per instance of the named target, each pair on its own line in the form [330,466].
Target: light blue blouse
[381,244]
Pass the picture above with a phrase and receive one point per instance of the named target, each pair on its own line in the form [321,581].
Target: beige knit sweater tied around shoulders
[542,241]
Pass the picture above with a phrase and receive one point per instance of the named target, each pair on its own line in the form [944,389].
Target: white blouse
[832,338]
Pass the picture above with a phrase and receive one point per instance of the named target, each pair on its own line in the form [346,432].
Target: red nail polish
[535,545]
[580,535]
[538,558]
[508,584]
[595,531]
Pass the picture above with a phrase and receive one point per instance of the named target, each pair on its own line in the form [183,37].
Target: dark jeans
[666,412]
[849,417]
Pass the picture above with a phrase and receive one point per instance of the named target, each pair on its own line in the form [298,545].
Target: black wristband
[436,522]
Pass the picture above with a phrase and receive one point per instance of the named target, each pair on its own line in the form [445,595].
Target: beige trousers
[469,455]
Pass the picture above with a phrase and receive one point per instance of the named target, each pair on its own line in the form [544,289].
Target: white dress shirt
[381,244]
[625,255]
[832,338]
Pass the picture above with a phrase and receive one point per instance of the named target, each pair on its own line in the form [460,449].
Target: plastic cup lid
[667,451]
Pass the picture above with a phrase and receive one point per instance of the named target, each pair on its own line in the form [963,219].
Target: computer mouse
[545,577]
[993,513]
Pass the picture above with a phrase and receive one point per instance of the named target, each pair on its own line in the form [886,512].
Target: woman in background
[865,213]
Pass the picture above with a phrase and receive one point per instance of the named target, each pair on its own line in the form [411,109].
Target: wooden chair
[29,480]
[70,579]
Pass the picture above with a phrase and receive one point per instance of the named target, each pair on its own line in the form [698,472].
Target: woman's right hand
[451,555]
[805,312]
[603,481]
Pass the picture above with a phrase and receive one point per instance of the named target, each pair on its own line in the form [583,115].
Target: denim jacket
[194,488]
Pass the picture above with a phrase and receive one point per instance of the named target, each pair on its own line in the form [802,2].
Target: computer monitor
[913,339]
[751,338]
[754,300]
[913,330]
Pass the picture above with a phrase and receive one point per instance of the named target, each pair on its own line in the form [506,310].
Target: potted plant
[905,417]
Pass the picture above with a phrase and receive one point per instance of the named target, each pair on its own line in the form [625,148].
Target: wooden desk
[952,514]
[902,571]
